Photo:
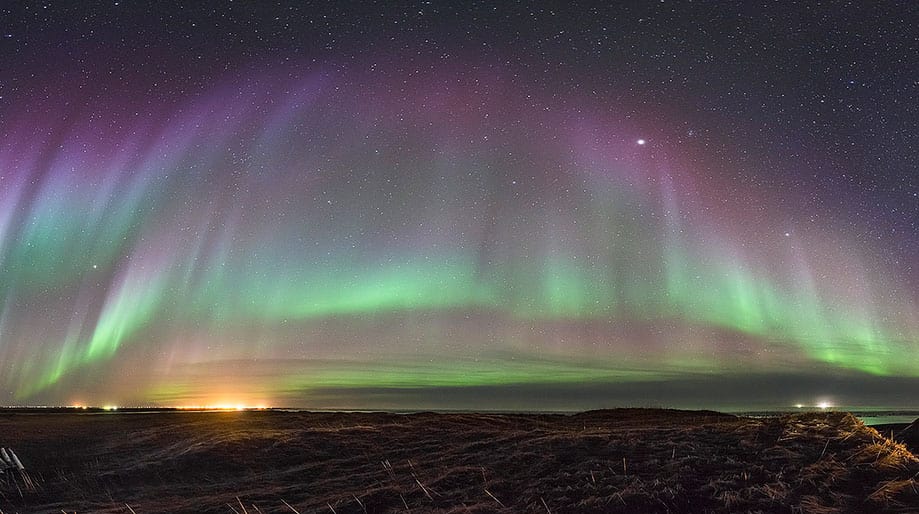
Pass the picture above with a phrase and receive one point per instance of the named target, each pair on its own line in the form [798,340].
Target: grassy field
[625,460]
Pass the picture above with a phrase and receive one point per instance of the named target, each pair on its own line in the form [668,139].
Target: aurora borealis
[195,209]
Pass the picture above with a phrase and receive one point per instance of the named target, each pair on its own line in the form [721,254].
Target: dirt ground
[624,460]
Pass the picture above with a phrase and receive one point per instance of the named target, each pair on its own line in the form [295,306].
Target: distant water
[888,419]
[869,416]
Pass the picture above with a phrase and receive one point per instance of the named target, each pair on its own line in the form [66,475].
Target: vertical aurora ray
[371,236]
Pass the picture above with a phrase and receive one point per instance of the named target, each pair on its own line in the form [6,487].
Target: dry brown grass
[630,460]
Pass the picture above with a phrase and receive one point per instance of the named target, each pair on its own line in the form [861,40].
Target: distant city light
[824,405]
[222,407]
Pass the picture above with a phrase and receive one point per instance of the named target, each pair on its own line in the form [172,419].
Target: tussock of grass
[885,454]
[897,494]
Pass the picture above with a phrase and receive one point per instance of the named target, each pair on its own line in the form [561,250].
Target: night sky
[416,205]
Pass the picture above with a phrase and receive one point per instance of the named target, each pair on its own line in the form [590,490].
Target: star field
[438,205]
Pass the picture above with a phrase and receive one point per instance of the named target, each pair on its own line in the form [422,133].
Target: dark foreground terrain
[602,461]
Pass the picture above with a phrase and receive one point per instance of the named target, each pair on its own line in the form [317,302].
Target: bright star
[641,141]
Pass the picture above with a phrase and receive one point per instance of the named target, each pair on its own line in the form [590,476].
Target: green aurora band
[366,249]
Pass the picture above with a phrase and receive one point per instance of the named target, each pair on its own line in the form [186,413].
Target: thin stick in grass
[359,502]
[495,499]
[405,503]
[423,488]
[293,509]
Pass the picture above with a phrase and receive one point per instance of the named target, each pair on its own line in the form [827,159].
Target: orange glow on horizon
[222,406]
